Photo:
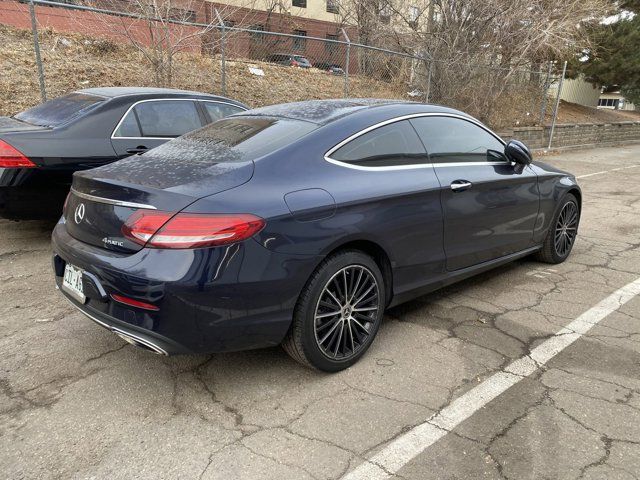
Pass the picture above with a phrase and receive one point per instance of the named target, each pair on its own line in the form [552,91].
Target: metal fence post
[346,66]
[428,92]
[36,47]
[555,110]
[223,41]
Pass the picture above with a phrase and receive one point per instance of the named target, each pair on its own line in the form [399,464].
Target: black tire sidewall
[306,309]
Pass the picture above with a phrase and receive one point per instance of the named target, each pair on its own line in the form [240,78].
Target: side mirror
[518,152]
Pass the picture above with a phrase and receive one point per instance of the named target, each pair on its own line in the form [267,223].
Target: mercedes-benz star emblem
[79,215]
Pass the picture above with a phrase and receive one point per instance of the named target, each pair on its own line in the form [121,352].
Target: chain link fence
[262,67]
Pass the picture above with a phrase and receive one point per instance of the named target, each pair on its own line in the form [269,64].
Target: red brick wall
[76,21]
[244,45]
[239,45]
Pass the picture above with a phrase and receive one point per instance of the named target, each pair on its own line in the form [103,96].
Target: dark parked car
[289,59]
[330,67]
[40,148]
[300,224]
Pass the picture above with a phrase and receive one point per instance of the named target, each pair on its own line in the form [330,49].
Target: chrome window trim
[110,201]
[327,156]
[113,133]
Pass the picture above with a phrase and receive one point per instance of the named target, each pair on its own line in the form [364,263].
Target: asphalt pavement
[528,371]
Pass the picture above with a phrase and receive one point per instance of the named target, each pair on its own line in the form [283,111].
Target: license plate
[72,282]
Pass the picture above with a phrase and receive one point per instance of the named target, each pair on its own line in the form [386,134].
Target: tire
[329,333]
[569,215]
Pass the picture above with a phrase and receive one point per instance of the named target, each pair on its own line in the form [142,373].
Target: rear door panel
[153,122]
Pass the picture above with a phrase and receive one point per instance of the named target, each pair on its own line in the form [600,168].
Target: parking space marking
[409,445]
[607,171]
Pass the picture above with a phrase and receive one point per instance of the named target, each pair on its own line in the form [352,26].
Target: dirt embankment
[73,62]
[574,113]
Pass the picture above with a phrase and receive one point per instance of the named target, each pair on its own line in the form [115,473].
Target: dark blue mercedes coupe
[300,224]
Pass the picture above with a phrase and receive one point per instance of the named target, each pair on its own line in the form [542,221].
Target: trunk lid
[102,199]
[11,125]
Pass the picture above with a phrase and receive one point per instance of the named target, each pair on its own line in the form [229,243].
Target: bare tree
[161,29]
[473,46]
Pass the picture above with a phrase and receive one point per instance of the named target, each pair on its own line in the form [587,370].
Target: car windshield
[59,110]
[240,138]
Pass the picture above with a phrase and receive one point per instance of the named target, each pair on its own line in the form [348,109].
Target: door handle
[138,150]
[461,185]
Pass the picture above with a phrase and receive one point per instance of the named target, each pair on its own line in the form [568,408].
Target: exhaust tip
[140,342]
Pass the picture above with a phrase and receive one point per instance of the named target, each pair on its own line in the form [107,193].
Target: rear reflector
[11,157]
[134,303]
[189,230]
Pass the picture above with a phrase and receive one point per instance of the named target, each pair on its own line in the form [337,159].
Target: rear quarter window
[60,110]
[392,145]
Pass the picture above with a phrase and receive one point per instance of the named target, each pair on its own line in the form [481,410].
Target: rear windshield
[238,139]
[59,110]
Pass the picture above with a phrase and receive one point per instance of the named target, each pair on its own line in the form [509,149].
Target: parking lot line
[606,171]
[409,445]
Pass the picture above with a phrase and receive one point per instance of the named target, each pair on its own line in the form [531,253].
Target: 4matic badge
[109,241]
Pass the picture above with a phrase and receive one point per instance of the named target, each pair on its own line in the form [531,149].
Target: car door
[150,123]
[489,205]
[389,166]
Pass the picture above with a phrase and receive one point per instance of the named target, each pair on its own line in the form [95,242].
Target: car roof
[112,92]
[323,112]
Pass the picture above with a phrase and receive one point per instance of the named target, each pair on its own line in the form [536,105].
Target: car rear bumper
[210,300]
[25,193]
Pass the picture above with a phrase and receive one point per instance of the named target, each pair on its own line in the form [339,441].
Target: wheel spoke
[356,285]
[359,300]
[367,309]
[339,341]
[330,305]
[329,314]
[346,288]
[338,302]
[353,347]
[335,325]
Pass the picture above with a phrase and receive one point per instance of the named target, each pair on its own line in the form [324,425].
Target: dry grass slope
[88,62]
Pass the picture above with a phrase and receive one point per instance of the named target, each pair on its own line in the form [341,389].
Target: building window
[181,15]
[331,47]
[257,36]
[300,3]
[608,102]
[332,6]
[298,42]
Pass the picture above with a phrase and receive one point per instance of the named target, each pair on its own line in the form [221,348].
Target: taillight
[156,229]
[11,157]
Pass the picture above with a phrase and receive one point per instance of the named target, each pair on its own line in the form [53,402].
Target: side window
[128,127]
[220,110]
[453,140]
[167,118]
[391,145]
